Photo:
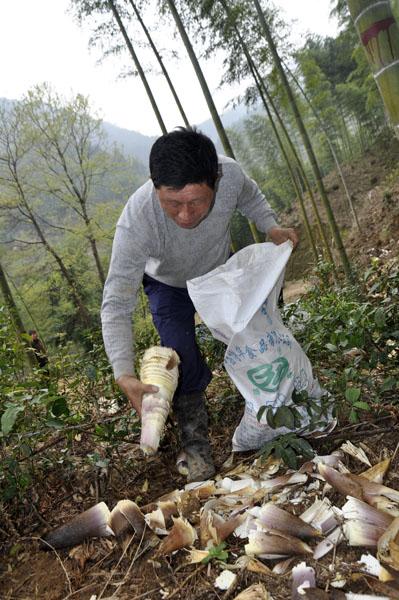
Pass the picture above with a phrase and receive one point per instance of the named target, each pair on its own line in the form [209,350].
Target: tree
[340,10]
[18,193]
[161,63]
[66,151]
[93,8]
[309,149]
[332,55]
[246,55]
[62,187]
[137,64]
[261,89]
[15,316]
[322,107]
[208,97]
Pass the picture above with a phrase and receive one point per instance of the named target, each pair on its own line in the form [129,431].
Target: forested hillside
[316,126]
[62,188]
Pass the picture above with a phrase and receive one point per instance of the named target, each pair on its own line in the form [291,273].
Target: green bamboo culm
[306,141]
[242,223]
[378,31]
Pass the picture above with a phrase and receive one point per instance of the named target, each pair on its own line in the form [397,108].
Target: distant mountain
[229,118]
[7,102]
[131,142]
[138,145]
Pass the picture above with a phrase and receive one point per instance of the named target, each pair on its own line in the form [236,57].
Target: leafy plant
[288,447]
[352,395]
[33,410]
[216,553]
[15,479]
[317,413]
[352,334]
[213,350]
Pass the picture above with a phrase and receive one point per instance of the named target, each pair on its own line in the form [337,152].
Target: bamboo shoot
[158,367]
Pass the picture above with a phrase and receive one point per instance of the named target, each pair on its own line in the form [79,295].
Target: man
[176,227]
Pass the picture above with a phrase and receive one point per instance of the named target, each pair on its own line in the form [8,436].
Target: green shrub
[351,335]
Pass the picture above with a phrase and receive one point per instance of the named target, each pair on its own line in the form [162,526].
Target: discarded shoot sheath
[91,523]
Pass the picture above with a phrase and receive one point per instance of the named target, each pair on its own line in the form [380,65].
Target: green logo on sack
[268,377]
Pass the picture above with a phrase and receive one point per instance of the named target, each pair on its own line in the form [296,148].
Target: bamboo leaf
[361,405]
[389,384]
[331,347]
[9,418]
[352,394]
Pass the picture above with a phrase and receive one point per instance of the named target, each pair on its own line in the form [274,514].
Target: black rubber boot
[192,419]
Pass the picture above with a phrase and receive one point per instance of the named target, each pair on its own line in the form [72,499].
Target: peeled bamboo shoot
[159,367]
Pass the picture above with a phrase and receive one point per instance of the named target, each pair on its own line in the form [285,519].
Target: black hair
[182,157]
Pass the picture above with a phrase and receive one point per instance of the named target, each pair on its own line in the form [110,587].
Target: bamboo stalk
[330,145]
[309,149]
[305,178]
[207,94]
[15,316]
[378,31]
[137,65]
[161,64]
[294,180]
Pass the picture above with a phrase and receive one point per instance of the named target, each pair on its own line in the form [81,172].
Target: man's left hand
[279,235]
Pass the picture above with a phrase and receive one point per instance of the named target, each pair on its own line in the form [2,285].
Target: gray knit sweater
[146,240]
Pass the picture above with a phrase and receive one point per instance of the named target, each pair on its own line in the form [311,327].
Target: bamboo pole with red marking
[379,35]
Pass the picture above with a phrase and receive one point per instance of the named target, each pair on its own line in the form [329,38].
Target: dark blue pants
[173,315]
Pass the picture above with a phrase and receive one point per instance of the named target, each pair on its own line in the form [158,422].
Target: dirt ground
[293,290]
[99,568]
[373,185]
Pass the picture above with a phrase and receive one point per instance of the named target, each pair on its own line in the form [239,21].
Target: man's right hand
[134,389]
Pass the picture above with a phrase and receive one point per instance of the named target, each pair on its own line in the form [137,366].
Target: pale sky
[39,41]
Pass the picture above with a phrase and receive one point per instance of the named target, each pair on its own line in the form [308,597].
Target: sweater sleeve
[253,205]
[128,260]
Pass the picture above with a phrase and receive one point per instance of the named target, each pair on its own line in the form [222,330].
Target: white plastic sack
[238,302]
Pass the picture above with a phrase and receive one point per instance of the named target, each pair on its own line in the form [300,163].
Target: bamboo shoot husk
[126,518]
[91,523]
[303,577]
[273,544]
[388,545]
[181,535]
[377,472]
[276,518]
[255,592]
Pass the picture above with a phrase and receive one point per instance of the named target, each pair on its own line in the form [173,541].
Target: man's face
[188,206]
